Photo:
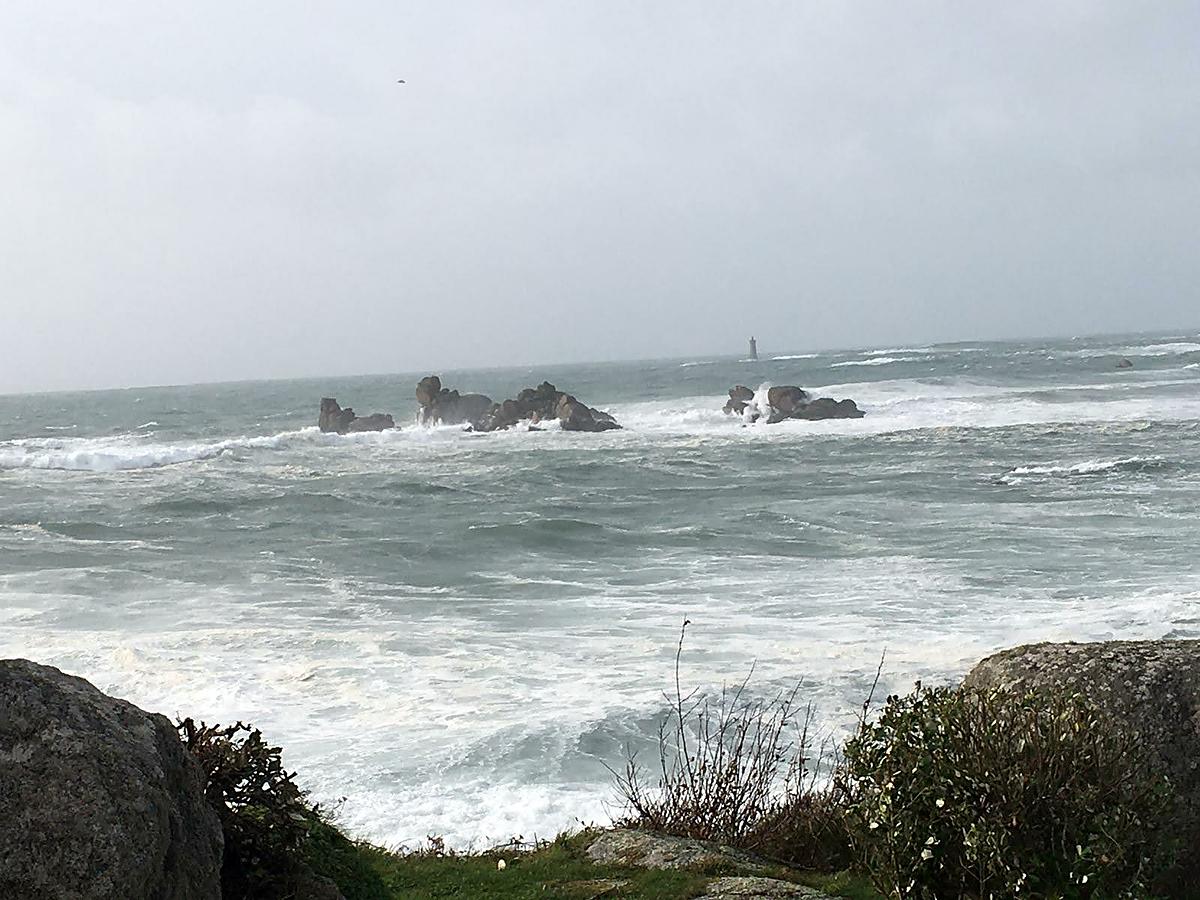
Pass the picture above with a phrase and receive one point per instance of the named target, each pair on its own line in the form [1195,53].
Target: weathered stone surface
[741,887]
[1153,687]
[647,850]
[98,799]
[335,420]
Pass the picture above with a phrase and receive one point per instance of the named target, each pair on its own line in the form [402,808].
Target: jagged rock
[98,799]
[788,402]
[1153,687]
[534,405]
[647,850]
[787,399]
[440,406]
[741,887]
[739,398]
[334,419]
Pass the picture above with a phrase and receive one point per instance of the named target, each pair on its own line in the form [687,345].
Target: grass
[556,871]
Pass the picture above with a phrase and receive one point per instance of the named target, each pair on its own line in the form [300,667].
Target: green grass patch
[557,871]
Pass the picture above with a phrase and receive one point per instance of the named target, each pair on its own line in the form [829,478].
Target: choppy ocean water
[457,632]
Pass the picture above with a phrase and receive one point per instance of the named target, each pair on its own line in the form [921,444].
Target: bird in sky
[401,81]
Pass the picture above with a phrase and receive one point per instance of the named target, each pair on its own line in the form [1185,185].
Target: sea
[462,635]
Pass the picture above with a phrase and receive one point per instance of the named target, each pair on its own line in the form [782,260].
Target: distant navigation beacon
[753,348]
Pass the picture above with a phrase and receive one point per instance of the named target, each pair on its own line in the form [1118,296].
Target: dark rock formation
[739,398]
[1153,687]
[1124,364]
[334,419]
[540,404]
[444,407]
[98,799]
[788,402]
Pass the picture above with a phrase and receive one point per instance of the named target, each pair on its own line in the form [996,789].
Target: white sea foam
[796,356]
[893,350]
[1088,467]
[119,454]
[879,361]
[1173,348]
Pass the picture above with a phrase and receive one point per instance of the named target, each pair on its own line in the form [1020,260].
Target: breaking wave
[1090,467]
[127,454]
[879,361]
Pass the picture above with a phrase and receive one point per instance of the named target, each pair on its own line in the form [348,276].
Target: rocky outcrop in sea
[534,405]
[786,402]
[334,419]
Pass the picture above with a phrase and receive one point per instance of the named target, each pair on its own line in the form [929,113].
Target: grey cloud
[212,191]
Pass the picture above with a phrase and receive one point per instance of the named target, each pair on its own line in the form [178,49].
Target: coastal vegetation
[953,792]
[1053,771]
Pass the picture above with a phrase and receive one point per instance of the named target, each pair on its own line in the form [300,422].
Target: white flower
[501,865]
[926,853]
[939,803]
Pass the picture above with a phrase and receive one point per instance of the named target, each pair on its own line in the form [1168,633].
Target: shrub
[738,769]
[277,844]
[957,793]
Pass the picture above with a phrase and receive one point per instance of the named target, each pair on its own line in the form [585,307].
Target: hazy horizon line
[1191,332]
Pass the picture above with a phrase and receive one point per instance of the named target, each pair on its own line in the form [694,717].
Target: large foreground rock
[98,799]
[1153,687]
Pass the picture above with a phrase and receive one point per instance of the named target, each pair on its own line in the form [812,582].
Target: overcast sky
[212,191]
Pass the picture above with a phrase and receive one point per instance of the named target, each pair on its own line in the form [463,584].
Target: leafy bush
[739,770]
[957,793]
[277,844]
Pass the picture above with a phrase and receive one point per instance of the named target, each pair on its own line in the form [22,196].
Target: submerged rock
[743,887]
[788,402]
[1124,364]
[334,419]
[98,799]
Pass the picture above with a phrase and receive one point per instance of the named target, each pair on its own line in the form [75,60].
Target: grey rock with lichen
[647,850]
[626,847]
[1151,687]
[742,887]
[98,799]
